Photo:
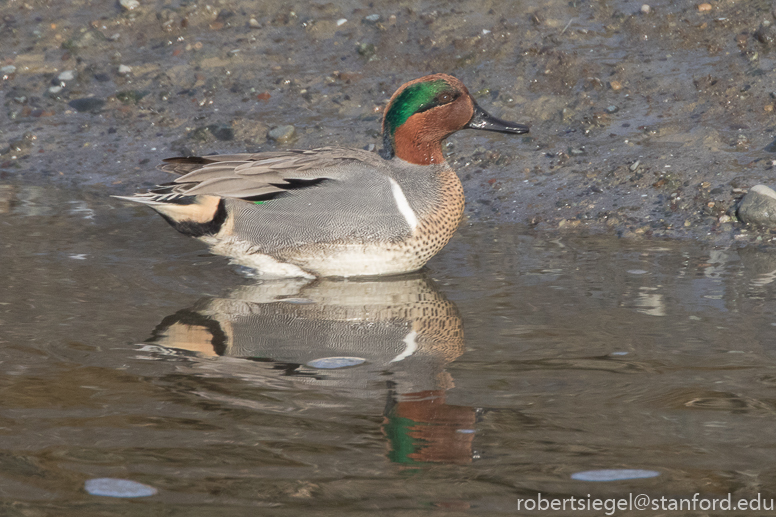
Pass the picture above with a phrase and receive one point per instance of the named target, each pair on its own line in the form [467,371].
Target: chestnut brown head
[425,111]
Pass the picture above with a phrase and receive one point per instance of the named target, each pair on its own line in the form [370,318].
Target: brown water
[129,352]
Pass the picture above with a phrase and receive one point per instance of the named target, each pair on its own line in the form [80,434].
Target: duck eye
[445,98]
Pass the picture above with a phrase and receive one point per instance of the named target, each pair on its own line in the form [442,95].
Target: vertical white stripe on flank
[412,345]
[403,205]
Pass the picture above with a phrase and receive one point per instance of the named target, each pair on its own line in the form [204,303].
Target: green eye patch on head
[413,99]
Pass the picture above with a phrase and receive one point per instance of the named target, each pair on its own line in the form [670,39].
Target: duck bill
[484,120]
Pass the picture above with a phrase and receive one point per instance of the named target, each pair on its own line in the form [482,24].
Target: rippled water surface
[512,362]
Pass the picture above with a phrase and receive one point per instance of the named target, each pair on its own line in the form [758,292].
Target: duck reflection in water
[396,335]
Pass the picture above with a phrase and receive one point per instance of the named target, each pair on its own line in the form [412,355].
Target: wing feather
[249,175]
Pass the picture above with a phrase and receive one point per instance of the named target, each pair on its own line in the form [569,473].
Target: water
[512,362]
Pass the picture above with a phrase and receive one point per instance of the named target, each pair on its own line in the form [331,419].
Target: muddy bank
[645,122]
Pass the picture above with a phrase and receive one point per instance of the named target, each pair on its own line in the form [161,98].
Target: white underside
[346,261]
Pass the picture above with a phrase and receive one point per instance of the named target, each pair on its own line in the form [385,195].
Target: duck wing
[247,176]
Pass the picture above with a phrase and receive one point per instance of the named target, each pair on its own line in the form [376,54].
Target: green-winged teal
[334,211]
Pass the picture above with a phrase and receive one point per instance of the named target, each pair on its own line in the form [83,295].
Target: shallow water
[510,363]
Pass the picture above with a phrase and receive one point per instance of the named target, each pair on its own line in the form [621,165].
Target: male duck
[334,211]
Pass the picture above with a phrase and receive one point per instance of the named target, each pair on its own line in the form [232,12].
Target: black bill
[483,120]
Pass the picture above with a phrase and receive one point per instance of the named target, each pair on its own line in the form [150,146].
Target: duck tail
[195,216]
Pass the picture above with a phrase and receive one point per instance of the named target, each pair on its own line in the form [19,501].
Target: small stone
[87,104]
[253,23]
[282,134]
[367,50]
[130,96]
[222,131]
[342,21]
[612,109]
[55,89]
[372,18]
[704,7]
[758,206]
[67,75]
[724,219]
[8,69]
[616,85]
[124,69]
[765,34]
[768,108]
[129,5]
[645,9]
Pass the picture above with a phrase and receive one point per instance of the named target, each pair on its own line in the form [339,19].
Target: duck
[334,212]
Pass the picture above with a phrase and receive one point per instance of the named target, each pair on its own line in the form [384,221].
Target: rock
[124,69]
[253,23]
[766,34]
[282,134]
[704,7]
[372,18]
[67,75]
[222,132]
[758,206]
[131,96]
[366,49]
[87,104]
[645,9]
[129,5]
[8,69]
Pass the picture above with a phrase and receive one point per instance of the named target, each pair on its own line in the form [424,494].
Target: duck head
[425,111]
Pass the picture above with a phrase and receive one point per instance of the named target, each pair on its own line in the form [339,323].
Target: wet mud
[647,120]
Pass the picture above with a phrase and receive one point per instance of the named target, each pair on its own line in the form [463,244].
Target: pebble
[124,69]
[129,5]
[67,75]
[342,21]
[253,23]
[8,69]
[612,109]
[765,34]
[282,134]
[645,9]
[367,49]
[704,7]
[758,206]
[616,85]
[87,104]
[372,18]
